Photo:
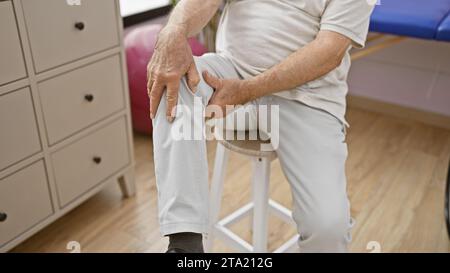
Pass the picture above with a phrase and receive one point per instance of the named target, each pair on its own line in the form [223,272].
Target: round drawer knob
[97,159]
[79,25]
[89,97]
[3,216]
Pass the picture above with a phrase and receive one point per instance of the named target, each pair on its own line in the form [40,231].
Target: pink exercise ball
[139,47]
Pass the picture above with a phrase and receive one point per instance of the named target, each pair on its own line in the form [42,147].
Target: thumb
[193,78]
[211,80]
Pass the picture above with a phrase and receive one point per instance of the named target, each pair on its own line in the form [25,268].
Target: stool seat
[246,147]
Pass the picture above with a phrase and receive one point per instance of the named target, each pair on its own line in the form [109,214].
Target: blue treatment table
[443,33]
[402,19]
[397,20]
[426,19]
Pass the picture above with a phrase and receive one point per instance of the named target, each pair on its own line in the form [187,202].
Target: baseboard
[399,111]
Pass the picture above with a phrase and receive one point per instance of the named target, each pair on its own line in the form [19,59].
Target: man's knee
[188,107]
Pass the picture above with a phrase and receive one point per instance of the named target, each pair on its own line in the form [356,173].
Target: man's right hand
[172,59]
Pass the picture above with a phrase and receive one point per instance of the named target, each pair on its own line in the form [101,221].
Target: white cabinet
[65,126]
[19,136]
[24,201]
[60,33]
[83,164]
[74,100]
[12,66]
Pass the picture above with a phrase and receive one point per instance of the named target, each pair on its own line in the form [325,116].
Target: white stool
[261,204]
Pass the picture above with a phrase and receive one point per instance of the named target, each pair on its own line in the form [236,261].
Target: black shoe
[185,242]
[175,250]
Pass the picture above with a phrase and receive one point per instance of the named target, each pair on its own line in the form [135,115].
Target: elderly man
[290,53]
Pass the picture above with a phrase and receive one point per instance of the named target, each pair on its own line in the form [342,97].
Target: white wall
[414,73]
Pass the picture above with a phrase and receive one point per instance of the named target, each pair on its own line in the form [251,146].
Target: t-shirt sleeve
[350,18]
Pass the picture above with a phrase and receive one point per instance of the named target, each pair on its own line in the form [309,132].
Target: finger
[210,111]
[212,100]
[212,81]
[172,100]
[155,98]
[149,74]
[214,111]
[193,78]
[150,81]
[149,89]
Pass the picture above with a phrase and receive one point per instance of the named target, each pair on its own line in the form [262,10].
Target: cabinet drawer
[60,33]
[12,66]
[18,130]
[25,200]
[84,164]
[75,100]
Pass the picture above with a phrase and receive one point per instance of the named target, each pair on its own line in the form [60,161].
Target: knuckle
[158,74]
[195,80]
[153,95]
[171,98]
[172,76]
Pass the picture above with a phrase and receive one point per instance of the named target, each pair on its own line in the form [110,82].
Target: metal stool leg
[261,177]
[220,165]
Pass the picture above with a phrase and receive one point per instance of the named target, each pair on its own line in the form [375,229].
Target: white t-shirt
[258,34]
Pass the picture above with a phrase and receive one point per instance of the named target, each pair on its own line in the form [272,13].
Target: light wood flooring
[396,178]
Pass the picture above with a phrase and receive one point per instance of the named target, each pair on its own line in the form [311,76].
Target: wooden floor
[396,172]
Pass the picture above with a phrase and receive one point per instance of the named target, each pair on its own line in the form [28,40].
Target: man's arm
[193,15]
[311,62]
[172,58]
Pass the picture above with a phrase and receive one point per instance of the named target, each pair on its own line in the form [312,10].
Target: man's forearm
[307,64]
[190,16]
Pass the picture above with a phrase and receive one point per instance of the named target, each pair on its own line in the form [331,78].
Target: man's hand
[171,61]
[227,94]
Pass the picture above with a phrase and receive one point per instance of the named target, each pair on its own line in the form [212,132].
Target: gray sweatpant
[312,152]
